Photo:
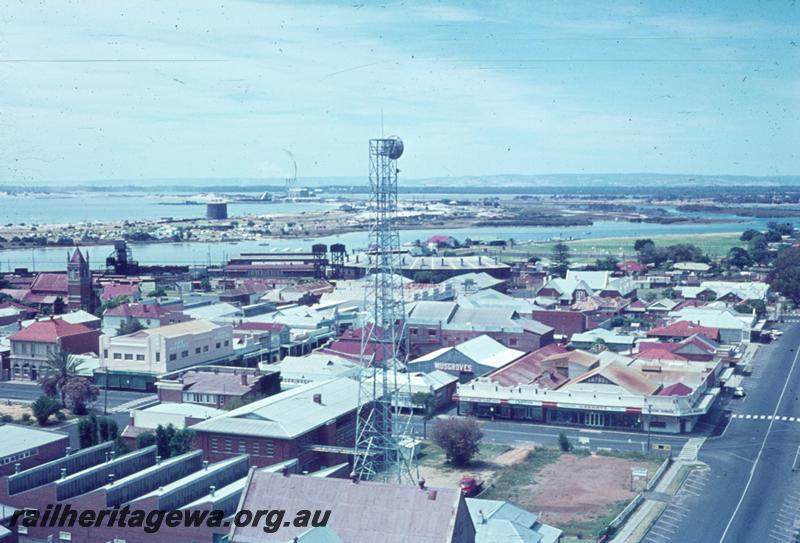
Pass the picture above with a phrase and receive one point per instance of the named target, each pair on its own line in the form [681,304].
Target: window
[227,342]
[242,446]
[197,350]
[256,448]
[158,357]
[140,357]
[218,344]
[184,354]
[117,356]
[414,331]
[431,332]
[205,348]
[105,353]
[173,356]
[128,356]
[214,444]
[268,449]
[512,341]
[228,446]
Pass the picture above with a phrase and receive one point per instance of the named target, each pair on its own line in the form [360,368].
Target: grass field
[586,250]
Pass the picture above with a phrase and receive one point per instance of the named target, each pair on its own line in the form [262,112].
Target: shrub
[43,407]
[564,443]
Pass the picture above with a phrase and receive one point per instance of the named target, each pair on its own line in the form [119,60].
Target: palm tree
[63,367]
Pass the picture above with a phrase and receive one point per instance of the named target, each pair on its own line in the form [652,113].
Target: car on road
[739,392]
[776,333]
[747,369]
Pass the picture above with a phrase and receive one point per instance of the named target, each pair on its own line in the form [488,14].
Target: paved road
[515,432]
[748,491]
[10,390]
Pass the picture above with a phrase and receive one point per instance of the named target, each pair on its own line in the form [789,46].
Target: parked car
[470,486]
[739,392]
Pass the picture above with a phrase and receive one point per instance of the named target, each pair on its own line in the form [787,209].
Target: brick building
[31,347]
[314,423]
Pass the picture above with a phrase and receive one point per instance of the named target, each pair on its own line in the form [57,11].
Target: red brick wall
[88,342]
[51,451]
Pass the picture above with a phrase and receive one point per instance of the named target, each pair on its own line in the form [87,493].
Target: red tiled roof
[684,329]
[50,283]
[48,331]
[631,267]
[113,290]
[438,238]
[660,351]
[677,389]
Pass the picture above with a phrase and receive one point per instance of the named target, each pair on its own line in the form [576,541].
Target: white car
[739,392]
[777,333]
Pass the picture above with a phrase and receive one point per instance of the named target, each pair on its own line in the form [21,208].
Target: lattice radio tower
[383,431]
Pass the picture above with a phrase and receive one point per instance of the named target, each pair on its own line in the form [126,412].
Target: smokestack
[285,471]
[212,490]
[205,464]
[421,484]
[111,478]
[63,473]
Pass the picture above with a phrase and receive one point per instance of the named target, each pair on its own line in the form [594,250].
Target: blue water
[91,207]
[204,253]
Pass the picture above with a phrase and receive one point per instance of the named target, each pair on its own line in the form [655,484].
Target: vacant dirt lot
[490,460]
[580,488]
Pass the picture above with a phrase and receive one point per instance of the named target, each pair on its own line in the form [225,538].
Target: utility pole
[649,421]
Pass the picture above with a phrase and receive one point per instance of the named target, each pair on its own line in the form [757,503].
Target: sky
[106,90]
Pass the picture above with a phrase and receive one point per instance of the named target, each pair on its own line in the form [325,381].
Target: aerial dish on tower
[392,147]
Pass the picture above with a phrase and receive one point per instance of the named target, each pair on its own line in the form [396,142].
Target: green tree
[58,306]
[62,368]
[560,259]
[181,442]
[748,234]
[205,284]
[608,263]
[163,437]
[145,439]
[43,407]
[87,431]
[759,250]
[785,274]
[78,393]
[116,301]
[640,244]
[129,327]
[102,428]
[739,257]
[459,437]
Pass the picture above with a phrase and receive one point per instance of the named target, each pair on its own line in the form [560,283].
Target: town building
[360,511]
[434,325]
[604,390]
[436,268]
[314,423]
[155,351]
[80,289]
[32,347]
[22,447]
[472,358]
[149,315]
[498,521]
[217,386]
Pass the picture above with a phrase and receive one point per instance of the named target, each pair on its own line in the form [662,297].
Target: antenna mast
[383,431]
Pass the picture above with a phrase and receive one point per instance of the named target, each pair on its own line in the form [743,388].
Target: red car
[470,486]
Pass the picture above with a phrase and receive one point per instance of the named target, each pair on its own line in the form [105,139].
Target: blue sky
[112,90]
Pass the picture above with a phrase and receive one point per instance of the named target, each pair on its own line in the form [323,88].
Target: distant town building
[217,386]
[22,447]
[32,347]
[156,351]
